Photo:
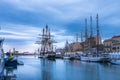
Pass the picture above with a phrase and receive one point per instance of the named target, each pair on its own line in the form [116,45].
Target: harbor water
[43,69]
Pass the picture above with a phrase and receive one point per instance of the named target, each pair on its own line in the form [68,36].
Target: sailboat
[89,55]
[94,58]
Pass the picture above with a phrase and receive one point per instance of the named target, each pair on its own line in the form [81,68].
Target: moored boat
[51,56]
[94,58]
[115,61]
[66,56]
[84,58]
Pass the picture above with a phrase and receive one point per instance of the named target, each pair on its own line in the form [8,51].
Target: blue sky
[22,20]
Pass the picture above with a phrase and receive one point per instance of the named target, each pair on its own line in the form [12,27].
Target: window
[117,47]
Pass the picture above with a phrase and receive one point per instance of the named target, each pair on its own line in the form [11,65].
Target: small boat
[12,61]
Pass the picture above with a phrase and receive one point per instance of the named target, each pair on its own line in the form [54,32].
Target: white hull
[66,57]
[43,57]
[82,58]
[117,61]
[97,59]
[92,59]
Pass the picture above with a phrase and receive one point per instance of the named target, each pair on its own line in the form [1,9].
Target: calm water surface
[39,69]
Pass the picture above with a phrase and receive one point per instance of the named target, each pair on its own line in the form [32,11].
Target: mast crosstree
[46,41]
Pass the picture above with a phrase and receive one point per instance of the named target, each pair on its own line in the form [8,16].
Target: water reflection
[47,69]
[43,69]
[9,73]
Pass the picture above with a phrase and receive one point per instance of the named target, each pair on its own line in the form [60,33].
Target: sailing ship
[1,58]
[46,42]
[92,45]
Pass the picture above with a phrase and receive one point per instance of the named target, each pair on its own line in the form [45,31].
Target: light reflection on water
[41,69]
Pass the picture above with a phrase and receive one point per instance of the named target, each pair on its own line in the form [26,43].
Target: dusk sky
[22,20]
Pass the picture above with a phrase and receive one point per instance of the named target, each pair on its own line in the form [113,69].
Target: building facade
[107,45]
[112,45]
[116,43]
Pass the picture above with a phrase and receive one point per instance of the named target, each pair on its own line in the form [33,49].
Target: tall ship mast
[98,38]
[92,44]
[46,42]
[86,38]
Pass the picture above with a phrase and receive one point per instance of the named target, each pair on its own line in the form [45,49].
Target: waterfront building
[116,43]
[91,44]
[74,47]
[107,45]
[112,44]
[77,46]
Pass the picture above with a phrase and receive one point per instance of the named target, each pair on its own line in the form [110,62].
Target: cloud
[19,31]
[23,37]
[23,20]
[62,9]
[65,10]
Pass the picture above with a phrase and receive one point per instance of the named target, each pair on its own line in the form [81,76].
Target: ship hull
[82,58]
[115,61]
[51,57]
[66,58]
[93,59]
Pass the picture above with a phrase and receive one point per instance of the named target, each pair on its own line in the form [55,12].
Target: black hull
[51,57]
